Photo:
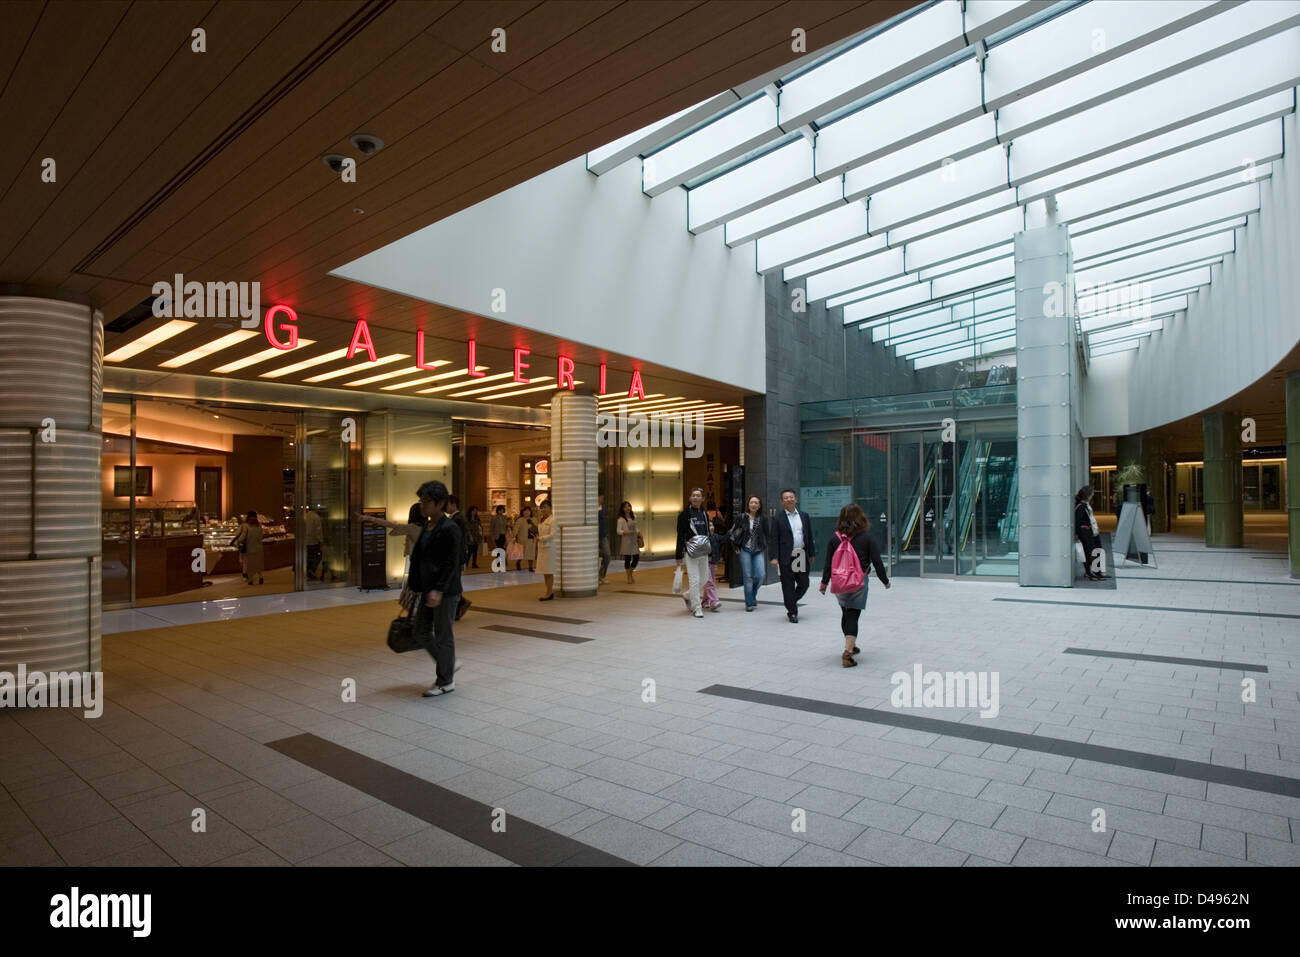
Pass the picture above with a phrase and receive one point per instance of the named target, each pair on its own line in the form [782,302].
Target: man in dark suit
[435,579]
[793,540]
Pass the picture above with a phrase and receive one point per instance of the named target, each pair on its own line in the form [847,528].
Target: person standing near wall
[694,545]
[526,536]
[474,525]
[629,540]
[853,527]
[546,550]
[749,536]
[249,542]
[499,529]
[602,532]
[792,539]
[1085,527]
[435,579]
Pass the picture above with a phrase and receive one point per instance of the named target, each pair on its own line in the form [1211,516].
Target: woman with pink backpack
[848,555]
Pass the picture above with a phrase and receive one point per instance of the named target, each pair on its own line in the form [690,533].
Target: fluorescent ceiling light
[306,364]
[358,367]
[149,340]
[216,345]
[434,378]
[461,385]
[506,395]
[257,357]
[502,385]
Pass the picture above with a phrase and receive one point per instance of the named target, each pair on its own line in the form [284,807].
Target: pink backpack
[846,570]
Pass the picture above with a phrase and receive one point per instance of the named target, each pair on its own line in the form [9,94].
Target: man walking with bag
[792,534]
[435,579]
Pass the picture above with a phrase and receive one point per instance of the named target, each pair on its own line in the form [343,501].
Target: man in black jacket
[435,578]
[792,539]
[456,515]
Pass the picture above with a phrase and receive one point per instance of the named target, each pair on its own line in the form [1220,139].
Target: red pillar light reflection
[289,325]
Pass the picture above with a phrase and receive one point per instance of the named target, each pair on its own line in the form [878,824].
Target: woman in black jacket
[1085,527]
[749,535]
[853,525]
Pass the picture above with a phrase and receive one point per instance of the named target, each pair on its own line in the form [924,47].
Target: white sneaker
[438,690]
[456,667]
[698,613]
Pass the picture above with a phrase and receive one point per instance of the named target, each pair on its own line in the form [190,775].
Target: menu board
[374,552]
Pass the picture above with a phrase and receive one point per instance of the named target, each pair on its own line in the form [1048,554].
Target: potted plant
[1132,478]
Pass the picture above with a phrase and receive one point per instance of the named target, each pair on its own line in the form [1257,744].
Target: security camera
[367,143]
[334,161]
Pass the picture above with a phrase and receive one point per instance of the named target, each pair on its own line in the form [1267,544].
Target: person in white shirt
[792,540]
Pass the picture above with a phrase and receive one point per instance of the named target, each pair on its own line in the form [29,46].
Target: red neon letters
[361,334]
[290,325]
[520,366]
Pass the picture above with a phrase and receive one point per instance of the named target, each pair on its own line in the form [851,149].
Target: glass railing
[880,405]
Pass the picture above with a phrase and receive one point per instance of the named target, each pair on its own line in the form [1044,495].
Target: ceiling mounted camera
[334,161]
[367,143]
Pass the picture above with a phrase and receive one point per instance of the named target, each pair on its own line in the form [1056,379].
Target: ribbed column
[1293,468]
[1221,434]
[575,470]
[50,400]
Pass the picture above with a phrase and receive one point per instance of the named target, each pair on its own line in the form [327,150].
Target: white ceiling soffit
[891,173]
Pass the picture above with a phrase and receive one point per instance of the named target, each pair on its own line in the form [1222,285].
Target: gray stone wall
[811,357]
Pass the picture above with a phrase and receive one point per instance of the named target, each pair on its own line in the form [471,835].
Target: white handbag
[677,581]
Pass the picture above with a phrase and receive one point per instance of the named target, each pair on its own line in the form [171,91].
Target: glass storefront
[942,501]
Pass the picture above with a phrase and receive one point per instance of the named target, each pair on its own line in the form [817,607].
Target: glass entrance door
[322,498]
[939,509]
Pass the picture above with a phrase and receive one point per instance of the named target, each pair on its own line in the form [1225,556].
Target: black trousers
[631,561]
[794,585]
[433,630]
[1091,543]
[849,621]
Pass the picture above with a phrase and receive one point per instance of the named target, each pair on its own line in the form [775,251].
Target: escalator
[1009,527]
[916,500]
[970,482]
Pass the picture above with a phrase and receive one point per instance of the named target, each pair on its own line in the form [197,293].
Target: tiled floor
[615,743]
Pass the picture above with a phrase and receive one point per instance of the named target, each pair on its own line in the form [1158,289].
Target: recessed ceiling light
[358,210]
[149,340]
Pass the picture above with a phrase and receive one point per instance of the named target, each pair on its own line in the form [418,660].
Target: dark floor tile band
[550,635]
[522,842]
[1190,611]
[536,616]
[1166,659]
[1139,760]
[1208,581]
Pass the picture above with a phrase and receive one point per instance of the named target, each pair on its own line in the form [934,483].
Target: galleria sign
[280,326]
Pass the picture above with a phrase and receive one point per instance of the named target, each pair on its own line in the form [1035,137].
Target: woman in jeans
[749,535]
[629,546]
[853,525]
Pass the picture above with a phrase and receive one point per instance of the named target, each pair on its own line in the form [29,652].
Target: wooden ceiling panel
[314,191]
[58,54]
[124,175]
[269,72]
[539,30]
[598,42]
[117,78]
[288,142]
[468,26]
[20,19]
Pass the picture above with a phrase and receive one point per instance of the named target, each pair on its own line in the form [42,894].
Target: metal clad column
[575,470]
[50,485]
[1293,469]
[1043,415]
[1221,435]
